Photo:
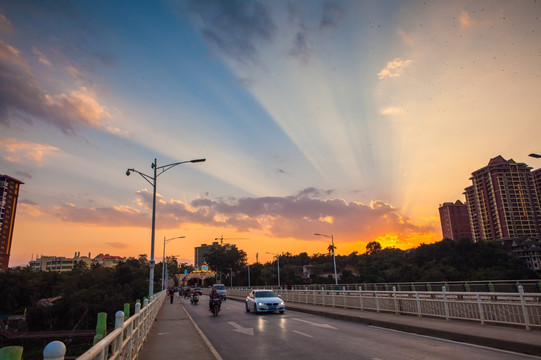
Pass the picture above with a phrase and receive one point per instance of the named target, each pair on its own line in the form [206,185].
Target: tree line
[80,294]
[446,260]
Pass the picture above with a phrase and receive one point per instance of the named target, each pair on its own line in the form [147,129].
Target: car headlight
[281,303]
[261,304]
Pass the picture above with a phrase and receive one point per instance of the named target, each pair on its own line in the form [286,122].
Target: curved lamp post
[333,257]
[164,263]
[152,181]
[537,156]
[278,263]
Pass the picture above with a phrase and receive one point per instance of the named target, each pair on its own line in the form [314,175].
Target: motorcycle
[215,306]
[194,299]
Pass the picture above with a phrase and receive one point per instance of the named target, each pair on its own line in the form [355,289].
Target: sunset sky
[351,118]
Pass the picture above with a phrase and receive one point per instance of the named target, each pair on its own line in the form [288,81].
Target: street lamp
[166,241]
[278,263]
[537,156]
[333,257]
[152,181]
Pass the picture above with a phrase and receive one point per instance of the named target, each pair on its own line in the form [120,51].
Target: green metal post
[126,311]
[101,327]
[11,352]
[467,287]
[490,287]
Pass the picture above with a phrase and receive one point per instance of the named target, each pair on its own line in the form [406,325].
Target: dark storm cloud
[235,28]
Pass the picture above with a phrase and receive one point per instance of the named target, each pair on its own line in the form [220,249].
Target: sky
[355,119]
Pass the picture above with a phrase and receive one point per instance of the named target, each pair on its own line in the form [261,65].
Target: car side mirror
[279,295]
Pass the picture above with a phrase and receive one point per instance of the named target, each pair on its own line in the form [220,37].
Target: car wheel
[255,309]
[247,308]
[281,312]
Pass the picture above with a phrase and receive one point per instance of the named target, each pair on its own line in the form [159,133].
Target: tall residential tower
[503,201]
[455,223]
[9,194]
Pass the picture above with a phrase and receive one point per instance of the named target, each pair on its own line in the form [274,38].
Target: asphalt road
[236,334]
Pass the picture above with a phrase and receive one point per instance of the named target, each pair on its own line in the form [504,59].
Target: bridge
[505,320]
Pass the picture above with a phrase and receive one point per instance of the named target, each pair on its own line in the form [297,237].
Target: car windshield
[219,287]
[264,294]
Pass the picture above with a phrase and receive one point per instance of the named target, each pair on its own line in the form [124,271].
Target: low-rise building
[61,263]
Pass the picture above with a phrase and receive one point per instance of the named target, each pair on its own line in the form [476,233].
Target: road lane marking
[242,330]
[301,333]
[212,349]
[326,326]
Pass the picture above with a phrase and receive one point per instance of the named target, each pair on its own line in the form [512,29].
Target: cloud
[465,20]
[5,25]
[19,151]
[297,216]
[290,216]
[117,245]
[21,99]
[301,47]
[331,16]
[392,111]
[80,106]
[405,37]
[235,28]
[394,68]
[23,174]
[41,58]
[29,208]
[106,216]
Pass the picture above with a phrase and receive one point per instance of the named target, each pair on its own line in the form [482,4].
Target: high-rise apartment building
[201,251]
[503,201]
[455,222]
[9,194]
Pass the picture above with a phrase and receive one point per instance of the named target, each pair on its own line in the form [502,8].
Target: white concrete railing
[126,340]
[498,308]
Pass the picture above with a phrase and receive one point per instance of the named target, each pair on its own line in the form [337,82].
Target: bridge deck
[175,337]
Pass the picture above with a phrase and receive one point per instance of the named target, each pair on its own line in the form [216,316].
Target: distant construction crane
[221,238]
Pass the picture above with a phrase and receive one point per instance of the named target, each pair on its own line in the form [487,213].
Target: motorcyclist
[212,296]
[195,295]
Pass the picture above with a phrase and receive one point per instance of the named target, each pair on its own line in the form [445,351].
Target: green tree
[372,247]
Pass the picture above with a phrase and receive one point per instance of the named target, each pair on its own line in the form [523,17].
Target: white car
[264,300]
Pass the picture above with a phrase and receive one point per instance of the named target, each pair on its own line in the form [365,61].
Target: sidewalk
[174,336]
